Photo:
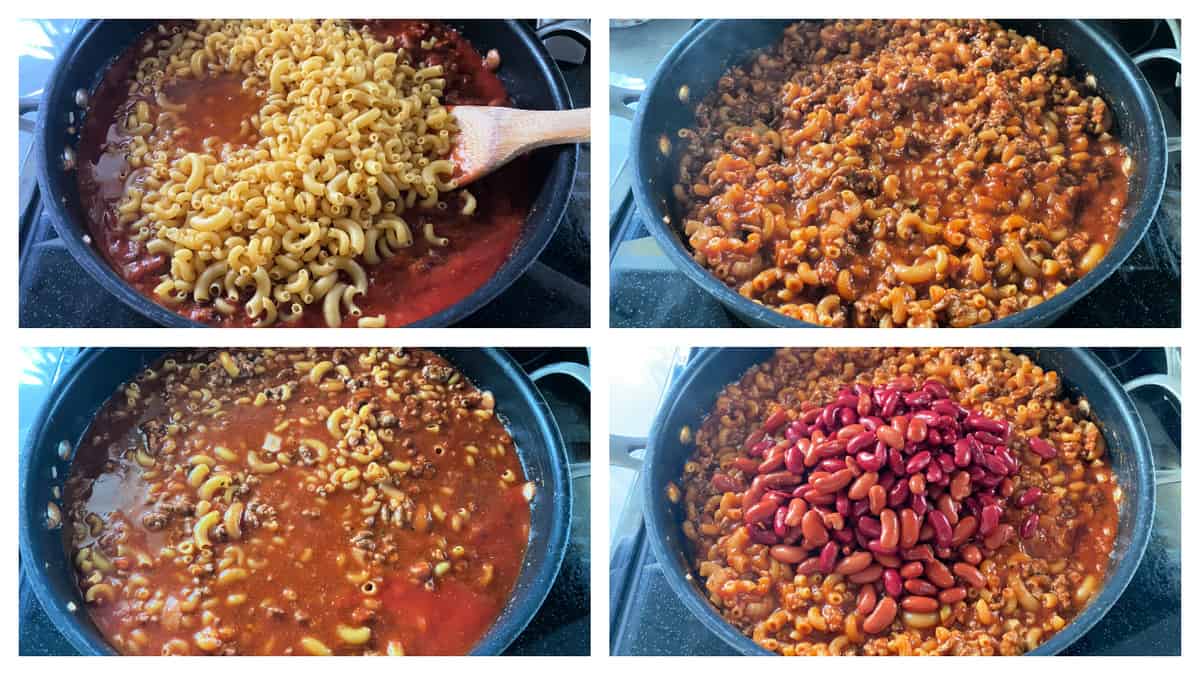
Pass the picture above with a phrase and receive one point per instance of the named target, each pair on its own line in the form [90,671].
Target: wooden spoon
[490,136]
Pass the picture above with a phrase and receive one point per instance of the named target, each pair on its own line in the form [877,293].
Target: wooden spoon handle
[531,129]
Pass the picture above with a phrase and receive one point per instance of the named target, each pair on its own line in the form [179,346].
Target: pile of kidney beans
[897,487]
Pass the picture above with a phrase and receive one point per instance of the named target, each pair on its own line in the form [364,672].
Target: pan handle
[1172,384]
[1174,143]
[620,96]
[28,104]
[621,449]
[581,374]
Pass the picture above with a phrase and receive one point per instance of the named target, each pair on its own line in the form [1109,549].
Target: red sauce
[417,283]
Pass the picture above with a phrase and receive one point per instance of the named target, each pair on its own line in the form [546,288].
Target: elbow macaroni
[351,132]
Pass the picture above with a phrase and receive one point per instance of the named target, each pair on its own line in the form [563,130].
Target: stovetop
[562,627]
[647,290]
[56,292]
[646,618]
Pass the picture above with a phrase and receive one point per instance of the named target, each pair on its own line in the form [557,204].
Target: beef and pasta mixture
[902,173]
[320,501]
[870,501]
[296,173]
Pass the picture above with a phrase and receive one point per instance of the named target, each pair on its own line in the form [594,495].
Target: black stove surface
[55,292]
[647,619]
[648,291]
[561,627]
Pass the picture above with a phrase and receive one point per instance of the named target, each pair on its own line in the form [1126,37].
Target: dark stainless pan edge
[651,198]
[692,395]
[82,64]
[47,567]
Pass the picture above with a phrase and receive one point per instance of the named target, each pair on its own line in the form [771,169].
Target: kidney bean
[964,530]
[989,518]
[793,459]
[949,507]
[919,505]
[842,504]
[795,431]
[828,557]
[1042,448]
[861,442]
[773,461]
[890,437]
[864,404]
[814,497]
[834,482]
[775,421]
[971,554]
[988,438]
[848,416]
[832,465]
[944,408]
[889,534]
[1006,488]
[761,511]
[763,536]
[831,448]
[813,528]
[865,603]
[952,595]
[910,528]
[862,485]
[917,430]
[1029,497]
[912,570]
[849,431]
[960,485]
[999,536]
[780,526]
[920,587]
[919,604]
[883,616]
[978,422]
[937,572]
[916,484]
[854,563]
[1029,526]
[898,494]
[790,555]
[781,480]
[796,509]
[745,464]
[889,401]
[810,415]
[943,532]
[970,574]
[868,576]
[833,521]
[918,462]
[879,549]
[935,475]
[877,499]
[809,566]
[892,583]
[889,560]
[922,552]
[962,453]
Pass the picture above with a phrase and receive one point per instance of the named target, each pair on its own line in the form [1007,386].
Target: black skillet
[694,393]
[528,73]
[703,55]
[95,375]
